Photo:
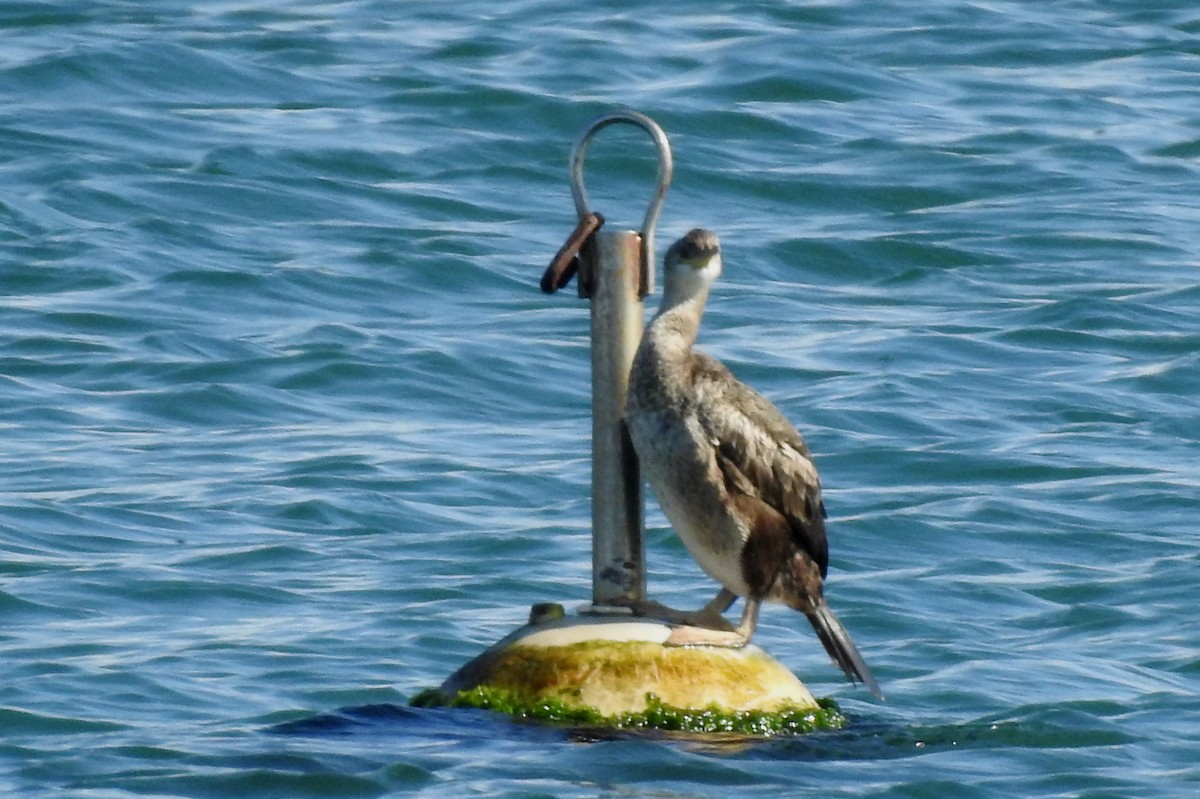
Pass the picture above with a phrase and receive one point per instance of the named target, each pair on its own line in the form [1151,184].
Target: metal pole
[618,540]
[616,269]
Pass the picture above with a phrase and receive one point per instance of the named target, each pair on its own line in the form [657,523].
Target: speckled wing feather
[756,441]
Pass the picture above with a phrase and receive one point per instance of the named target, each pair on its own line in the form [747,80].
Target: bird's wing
[761,453]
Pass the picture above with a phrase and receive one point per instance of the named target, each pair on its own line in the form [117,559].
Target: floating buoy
[618,673]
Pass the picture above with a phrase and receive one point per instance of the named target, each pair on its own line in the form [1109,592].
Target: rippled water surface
[289,433]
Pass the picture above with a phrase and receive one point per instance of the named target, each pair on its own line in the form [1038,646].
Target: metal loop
[666,169]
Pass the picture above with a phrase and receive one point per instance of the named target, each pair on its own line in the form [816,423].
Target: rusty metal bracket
[566,261]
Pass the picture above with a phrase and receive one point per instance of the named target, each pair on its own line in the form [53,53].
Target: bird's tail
[841,648]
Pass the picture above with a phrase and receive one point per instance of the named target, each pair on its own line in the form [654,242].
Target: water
[289,432]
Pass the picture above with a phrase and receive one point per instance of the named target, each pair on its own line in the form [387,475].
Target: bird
[732,474]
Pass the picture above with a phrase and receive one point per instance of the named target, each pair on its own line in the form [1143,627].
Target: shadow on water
[1070,726]
[867,740]
[391,719]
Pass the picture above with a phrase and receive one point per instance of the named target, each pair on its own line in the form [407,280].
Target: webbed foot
[708,616]
[648,608]
[687,635]
[727,635]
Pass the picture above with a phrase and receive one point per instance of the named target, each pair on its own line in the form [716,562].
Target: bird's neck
[677,322]
[662,366]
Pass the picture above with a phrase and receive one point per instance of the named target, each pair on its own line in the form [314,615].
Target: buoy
[617,673]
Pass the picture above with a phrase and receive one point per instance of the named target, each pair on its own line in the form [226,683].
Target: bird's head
[691,265]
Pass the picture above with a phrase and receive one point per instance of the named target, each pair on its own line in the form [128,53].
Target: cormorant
[732,474]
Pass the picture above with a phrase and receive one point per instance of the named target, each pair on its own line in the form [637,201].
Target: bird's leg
[749,620]
[712,612]
[687,635]
[707,616]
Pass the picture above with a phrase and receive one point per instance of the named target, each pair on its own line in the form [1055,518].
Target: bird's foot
[728,635]
[688,635]
[704,618]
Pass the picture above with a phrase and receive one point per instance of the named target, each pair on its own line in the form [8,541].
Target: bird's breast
[679,463]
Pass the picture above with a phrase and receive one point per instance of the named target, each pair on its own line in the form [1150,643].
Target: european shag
[732,474]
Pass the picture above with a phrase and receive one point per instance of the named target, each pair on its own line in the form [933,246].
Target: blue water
[289,433]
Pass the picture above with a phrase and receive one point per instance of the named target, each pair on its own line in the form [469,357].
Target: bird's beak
[702,259]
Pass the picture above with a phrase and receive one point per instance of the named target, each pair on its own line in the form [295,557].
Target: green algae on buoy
[617,672]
